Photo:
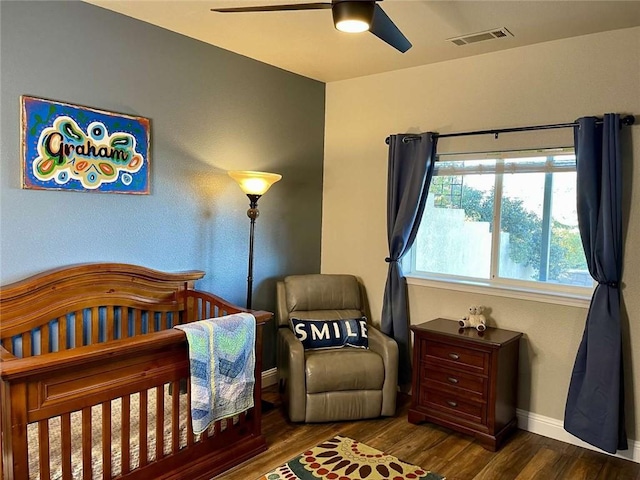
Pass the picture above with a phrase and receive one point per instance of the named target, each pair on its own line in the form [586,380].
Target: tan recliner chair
[334,384]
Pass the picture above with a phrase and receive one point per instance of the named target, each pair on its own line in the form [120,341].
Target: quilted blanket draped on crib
[222,361]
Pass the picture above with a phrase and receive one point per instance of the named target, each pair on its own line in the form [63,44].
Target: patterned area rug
[342,458]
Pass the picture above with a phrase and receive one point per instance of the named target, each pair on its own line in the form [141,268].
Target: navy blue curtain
[595,404]
[411,162]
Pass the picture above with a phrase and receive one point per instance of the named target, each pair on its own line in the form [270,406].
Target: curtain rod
[626,121]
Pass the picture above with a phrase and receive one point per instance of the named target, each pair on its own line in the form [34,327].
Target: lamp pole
[252,213]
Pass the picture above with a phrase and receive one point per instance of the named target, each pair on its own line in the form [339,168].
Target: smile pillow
[320,334]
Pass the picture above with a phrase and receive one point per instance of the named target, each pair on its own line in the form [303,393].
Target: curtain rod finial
[628,120]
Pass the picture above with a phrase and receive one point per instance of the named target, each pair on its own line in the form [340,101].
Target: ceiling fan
[348,16]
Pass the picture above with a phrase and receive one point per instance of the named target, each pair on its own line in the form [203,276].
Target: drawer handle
[452,379]
[452,403]
[454,356]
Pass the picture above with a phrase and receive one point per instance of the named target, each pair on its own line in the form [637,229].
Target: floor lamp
[254,184]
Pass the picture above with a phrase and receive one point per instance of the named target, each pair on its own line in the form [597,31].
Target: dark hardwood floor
[458,457]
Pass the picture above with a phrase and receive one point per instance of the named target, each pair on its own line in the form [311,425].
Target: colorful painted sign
[69,147]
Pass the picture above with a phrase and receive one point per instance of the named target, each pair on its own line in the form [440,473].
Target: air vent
[481,36]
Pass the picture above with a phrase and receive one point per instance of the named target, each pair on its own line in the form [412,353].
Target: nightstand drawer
[453,356]
[454,405]
[454,380]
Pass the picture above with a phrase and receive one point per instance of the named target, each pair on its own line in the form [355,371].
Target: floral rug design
[343,458]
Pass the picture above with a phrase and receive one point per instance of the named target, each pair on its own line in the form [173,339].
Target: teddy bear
[475,319]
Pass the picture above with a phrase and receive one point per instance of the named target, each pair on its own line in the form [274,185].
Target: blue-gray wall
[211,111]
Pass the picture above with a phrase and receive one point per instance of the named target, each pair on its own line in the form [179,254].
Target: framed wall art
[71,147]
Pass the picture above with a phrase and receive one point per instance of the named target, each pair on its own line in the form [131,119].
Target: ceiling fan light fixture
[353,16]
[352,26]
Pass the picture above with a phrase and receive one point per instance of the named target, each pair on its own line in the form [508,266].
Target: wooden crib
[81,346]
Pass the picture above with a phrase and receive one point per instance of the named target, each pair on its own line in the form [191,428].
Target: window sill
[558,298]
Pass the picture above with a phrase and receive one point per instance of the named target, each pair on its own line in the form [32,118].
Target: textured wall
[211,111]
[553,82]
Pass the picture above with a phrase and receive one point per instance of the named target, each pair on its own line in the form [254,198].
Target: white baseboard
[553,428]
[269,377]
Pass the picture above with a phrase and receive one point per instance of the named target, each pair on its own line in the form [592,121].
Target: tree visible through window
[532,199]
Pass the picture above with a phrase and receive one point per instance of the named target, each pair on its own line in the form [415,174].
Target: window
[508,221]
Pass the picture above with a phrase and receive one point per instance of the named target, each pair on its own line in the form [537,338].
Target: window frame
[538,291]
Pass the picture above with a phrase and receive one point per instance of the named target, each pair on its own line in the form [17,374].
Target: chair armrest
[291,374]
[387,348]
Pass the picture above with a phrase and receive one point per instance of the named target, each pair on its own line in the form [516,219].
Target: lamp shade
[254,183]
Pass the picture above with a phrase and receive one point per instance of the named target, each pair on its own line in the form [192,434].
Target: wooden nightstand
[465,380]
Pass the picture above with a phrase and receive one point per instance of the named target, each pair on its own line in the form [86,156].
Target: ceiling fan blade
[383,28]
[274,8]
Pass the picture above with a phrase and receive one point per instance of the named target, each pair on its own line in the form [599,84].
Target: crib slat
[125,431]
[95,326]
[125,315]
[85,337]
[78,321]
[198,310]
[62,333]
[110,324]
[124,322]
[190,439]
[44,339]
[106,439]
[144,450]
[190,311]
[137,322]
[201,308]
[193,313]
[65,432]
[151,322]
[86,444]
[159,422]
[164,318]
[43,448]
[175,416]
[26,344]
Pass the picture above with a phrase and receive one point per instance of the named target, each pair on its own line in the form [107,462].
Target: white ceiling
[305,42]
